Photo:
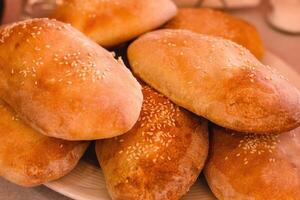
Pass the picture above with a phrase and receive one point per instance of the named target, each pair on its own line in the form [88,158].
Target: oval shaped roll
[28,158]
[217,79]
[218,23]
[63,84]
[160,158]
[113,22]
[254,166]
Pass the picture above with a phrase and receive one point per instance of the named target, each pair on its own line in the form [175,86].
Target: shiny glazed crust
[63,84]
[217,79]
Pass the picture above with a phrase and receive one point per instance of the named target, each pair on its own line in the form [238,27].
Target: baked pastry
[188,3]
[160,158]
[217,79]
[29,158]
[254,166]
[63,84]
[116,21]
[218,23]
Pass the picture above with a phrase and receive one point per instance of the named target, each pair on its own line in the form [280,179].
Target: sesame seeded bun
[29,158]
[254,166]
[112,22]
[63,84]
[160,158]
[217,79]
[217,23]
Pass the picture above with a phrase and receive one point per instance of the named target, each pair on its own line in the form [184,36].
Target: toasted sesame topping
[272,160]
[157,119]
[15,118]
[251,144]
[75,64]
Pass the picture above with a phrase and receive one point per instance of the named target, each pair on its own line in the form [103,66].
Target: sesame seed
[157,114]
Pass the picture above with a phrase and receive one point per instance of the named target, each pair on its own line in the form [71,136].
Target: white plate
[86,181]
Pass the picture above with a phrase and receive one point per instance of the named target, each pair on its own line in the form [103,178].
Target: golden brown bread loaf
[29,158]
[217,79]
[116,21]
[63,84]
[254,166]
[217,23]
[160,158]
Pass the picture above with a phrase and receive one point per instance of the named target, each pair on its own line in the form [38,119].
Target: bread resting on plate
[28,158]
[160,158]
[254,166]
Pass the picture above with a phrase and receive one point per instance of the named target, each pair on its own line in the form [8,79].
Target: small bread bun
[113,22]
[63,84]
[217,79]
[254,166]
[160,158]
[217,23]
[29,158]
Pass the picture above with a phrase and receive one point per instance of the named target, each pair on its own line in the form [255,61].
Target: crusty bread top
[115,21]
[160,158]
[217,79]
[29,158]
[63,84]
[218,23]
[254,166]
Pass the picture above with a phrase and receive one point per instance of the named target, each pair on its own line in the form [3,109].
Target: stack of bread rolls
[250,157]
[61,89]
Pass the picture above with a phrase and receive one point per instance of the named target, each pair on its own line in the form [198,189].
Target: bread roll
[116,21]
[63,84]
[254,166]
[216,79]
[217,23]
[160,158]
[29,158]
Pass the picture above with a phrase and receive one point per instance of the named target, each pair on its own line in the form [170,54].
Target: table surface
[283,45]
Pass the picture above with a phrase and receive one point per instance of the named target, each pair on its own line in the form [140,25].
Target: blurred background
[283,15]
[278,21]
